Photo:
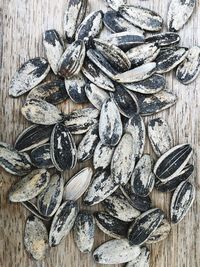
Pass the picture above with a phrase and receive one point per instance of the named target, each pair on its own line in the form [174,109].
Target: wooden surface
[21,25]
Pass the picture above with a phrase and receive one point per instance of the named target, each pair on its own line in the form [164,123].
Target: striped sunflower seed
[160,233]
[96,95]
[142,260]
[115,4]
[41,158]
[164,39]
[102,156]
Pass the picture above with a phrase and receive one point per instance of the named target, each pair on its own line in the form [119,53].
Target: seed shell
[160,233]
[189,69]
[110,124]
[144,226]
[143,18]
[62,148]
[40,157]
[29,75]
[164,39]
[53,92]
[84,230]
[142,260]
[179,13]
[120,207]
[115,4]
[96,95]
[116,252]
[111,225]
[63,222]
[50,199]
[29,186]
[34,210]
[182,199]
[41,112]
[77,185]
[171,163]
[54,48]
[160,136]
[102,156]
[36,238]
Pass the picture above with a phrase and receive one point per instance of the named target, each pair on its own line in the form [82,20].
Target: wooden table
[21,25]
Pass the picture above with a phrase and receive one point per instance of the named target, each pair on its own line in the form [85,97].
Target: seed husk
[160,233]
[77,185]
[84,230]
[34,210]
[160,136]
[29,186]
[63,222]
[36,238]
[54,48]
[41,112]
[40,157]
[182,199]
[143,18]
[171,163]
[50,199]
[29,75]
[189,69]
[142,260]
[164,39]
[111,225]
[116,252]
[62,148]
[115,4]
[110,124]
[144,226]
[102,156]
[53,92]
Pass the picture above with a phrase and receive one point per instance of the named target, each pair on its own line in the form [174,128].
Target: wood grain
[21,25]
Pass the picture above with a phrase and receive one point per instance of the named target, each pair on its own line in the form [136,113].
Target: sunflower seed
[123,160]
[164,39]
[179,13]
[173,184]
[96,95]
[40,157]
[138,202]
[137,74]
[96,76]
[14,162]
[88,144]
[90,27]
[29,186]
[29,75]
[101,187]
[54,48]
[53,92]
[36,238]
[160,136]
[116,57]
[101,62]
[143,53]
[116,252]
[34,210]
[84,230]
[169,58]
[120,207]
[50,199]
[110,125]
[111,225]
[189,69]
[79,121]
[182,199]
[160,233]
[124,40]
[62,148]
[75,88]
[125,101]
[41,112]
[102,156]
[144,226]
[150,104]
[77,185]
[135,126]
[63,222]
[170,164]
[151,85]
[74,15]
[142,180]
[33,136]
[141,17]
[142,260]
[115,23]
[72,59]
[115,4]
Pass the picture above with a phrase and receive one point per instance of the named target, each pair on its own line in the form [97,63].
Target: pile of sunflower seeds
[121,75]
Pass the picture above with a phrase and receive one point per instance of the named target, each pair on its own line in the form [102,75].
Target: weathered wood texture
[21,25]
